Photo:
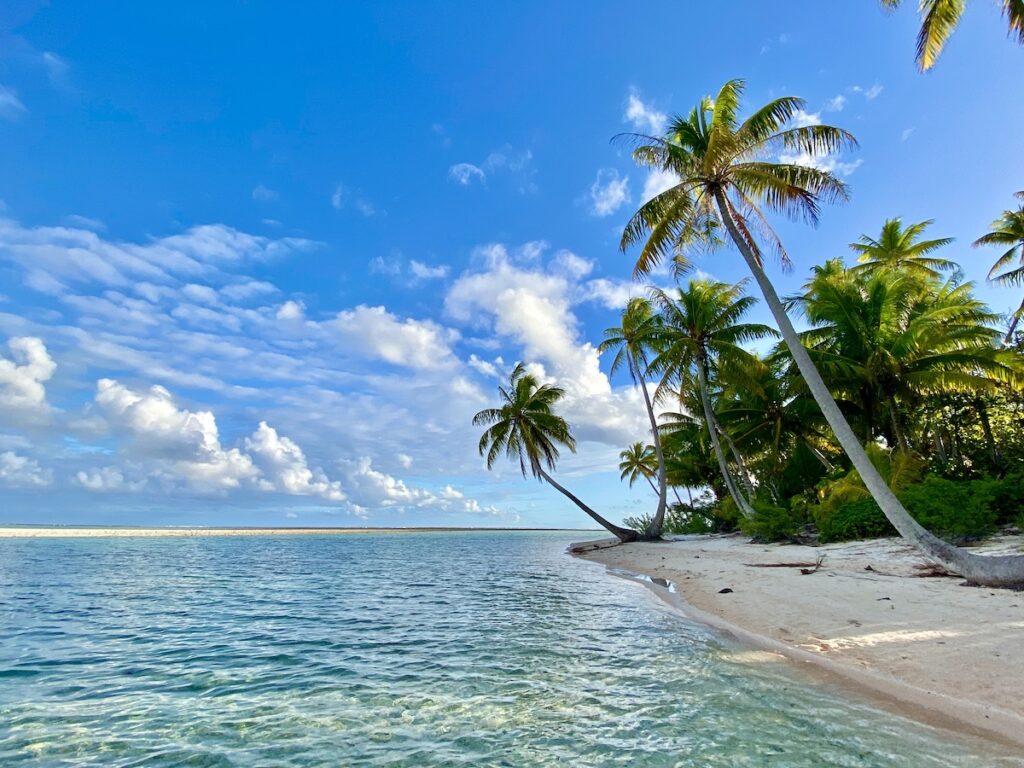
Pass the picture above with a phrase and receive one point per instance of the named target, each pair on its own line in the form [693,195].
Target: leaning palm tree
[899,248]
[629,343]
[702,333]
[940,17]
[526,429]
[636,461]
[1008,230]
[728,171]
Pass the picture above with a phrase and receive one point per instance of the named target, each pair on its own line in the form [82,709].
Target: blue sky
[260,265]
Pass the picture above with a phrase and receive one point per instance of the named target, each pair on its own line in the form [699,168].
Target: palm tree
[727,170]
[636,461]
[1008,229]
[702,332]
[630,342]
[891,341]
[898,248]
[526,429]
[940,17]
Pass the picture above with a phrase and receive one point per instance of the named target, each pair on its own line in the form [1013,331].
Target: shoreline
[85,531]
[894,661]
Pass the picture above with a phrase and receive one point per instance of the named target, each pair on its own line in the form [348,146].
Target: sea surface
[405,649]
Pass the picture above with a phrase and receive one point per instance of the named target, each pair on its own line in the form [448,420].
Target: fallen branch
[805,568]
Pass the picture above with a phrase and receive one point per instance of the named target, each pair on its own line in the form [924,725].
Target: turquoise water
[430,649]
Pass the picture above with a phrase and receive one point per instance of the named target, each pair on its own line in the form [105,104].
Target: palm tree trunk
[897,427]
[709,417]
[622,534]
[1006,570]
[738,458]
[986,428]
[1008,339]
[658,521]
[651,483]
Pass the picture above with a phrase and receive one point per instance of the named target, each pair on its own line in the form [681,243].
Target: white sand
[945,653]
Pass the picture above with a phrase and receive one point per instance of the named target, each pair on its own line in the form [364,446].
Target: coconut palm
[702,332]
[526,429]
[636,461]
[728,170]
[1008,230]
[889,341]
[900,248]
[629,343]
[940,17]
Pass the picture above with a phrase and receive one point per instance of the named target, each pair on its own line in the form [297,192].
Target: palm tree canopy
[630,341]
[703,322]
[1007,230]
[637,461]
[900,248]
[939,18]
[524,427]
[712,152]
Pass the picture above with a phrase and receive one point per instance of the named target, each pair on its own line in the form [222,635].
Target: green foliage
[953,510]
[771,523]
[860,519]
[1007,497]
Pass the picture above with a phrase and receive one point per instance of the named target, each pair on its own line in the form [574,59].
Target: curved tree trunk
[1008,339]
[709,418]
[658,521]
[741,466]
[1002,570]
[622,534]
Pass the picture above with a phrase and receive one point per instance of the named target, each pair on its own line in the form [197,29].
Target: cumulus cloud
[184,445]
[291,311]
[371,488]
[262,194]
[658,180]
[285,467]
[802,119]
[104,480]
[827,163]
[609,192]
[412,343]
[23,377]
[644,117]
[22,472]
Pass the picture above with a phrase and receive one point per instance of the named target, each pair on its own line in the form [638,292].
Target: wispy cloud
[11,107]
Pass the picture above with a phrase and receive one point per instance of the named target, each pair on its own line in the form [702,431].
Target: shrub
[1007,497]
[771,523]
[860,519]
[956,510]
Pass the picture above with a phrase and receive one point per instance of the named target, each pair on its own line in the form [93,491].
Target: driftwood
[805,568]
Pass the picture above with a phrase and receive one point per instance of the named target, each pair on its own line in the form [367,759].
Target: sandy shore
[928,647]
[23,532]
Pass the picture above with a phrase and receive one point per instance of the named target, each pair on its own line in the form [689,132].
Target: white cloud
[405,460]
[285,468]
[11,107]
[644,117]
[658,181]
[291,311]
[613,294]
[101,479]
[371,488]
[836,104]
[802,119]
[22,472]
[465,173]
[184,445]
[56,67]
[342,197]
[22,378]
[411,343]
[74,220]
[572,266]
[262,194]
[827,163]
[424,272]
[869,93]
[906,134]
[609,192]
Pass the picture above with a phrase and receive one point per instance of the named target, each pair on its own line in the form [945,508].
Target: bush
[860,519]
[1007,497]
[955,510]
[771,523]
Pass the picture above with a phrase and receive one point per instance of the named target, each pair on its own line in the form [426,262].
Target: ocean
[398,649]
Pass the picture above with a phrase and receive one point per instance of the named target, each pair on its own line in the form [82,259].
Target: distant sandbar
[28,532]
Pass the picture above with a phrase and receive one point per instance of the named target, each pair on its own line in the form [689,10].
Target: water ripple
[473,649]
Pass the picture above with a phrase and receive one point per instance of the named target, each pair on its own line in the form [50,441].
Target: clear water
[468,649]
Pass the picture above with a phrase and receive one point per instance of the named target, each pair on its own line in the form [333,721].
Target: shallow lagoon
[411,649]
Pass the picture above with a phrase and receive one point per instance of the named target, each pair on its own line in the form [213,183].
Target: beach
[928,647]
